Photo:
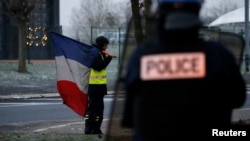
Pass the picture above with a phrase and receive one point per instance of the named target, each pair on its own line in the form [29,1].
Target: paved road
[35,109]
[43,115]
[74,125]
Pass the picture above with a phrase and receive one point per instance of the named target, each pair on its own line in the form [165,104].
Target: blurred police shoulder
[176,73]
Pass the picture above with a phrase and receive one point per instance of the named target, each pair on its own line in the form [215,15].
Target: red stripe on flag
[72,96]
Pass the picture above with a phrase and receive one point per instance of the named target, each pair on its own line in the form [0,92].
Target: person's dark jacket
[100,63]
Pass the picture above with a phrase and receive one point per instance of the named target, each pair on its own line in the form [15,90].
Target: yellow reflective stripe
[97,77]
[98,81]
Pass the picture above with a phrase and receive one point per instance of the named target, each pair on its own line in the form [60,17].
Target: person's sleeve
[100,64]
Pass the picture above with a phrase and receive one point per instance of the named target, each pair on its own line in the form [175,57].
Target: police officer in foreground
[177,84]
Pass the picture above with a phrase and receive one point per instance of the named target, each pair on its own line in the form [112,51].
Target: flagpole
[247,35]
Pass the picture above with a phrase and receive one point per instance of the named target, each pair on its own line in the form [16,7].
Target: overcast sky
[66,7]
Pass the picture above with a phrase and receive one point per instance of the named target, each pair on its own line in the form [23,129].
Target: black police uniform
[182,107]
[179,105]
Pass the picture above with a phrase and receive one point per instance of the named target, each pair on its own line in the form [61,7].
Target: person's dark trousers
[94,115]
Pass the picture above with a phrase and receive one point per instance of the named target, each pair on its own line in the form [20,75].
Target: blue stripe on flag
[72,49]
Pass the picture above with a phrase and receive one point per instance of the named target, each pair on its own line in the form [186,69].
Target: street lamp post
[247,34]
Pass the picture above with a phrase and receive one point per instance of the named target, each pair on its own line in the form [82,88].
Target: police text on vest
[173,66]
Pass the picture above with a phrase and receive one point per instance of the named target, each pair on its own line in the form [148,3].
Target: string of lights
[37,37]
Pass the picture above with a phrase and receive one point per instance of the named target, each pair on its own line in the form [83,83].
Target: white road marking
[60,126]
[56,126]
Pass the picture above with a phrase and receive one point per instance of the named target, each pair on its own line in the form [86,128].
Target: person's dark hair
[101,41]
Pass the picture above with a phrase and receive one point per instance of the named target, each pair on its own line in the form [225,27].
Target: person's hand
[108,53]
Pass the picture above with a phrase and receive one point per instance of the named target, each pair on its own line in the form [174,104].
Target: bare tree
[137,20]
[92,13]
[20,10]
[143,19]
[97,13]
[124,9]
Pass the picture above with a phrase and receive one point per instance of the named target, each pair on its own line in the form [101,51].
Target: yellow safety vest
[98,77]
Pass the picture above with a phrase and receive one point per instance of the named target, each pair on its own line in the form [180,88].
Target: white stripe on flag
[71,70]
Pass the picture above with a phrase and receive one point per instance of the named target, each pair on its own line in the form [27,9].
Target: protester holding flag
[73,64]
[97,87]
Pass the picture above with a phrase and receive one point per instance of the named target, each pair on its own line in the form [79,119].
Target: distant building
[44,18]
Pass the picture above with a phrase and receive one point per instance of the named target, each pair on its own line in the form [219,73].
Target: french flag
[73,61]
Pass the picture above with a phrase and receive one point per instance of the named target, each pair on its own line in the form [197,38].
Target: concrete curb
[45,95]
[26,96]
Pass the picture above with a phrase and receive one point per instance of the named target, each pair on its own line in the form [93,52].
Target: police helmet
[181,14]
[101,41]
